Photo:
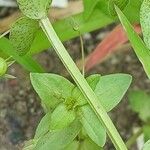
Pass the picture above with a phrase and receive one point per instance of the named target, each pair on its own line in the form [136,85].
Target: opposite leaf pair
[68,114]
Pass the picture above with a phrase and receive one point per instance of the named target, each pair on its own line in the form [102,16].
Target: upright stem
[82,54]
[82,84]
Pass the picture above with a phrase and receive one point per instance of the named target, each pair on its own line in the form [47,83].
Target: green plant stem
[82,84]
[82,54]
[133,138]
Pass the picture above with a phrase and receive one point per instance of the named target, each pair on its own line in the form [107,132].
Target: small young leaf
[89,6]
[145,21]
[140,49]
[120,3]
[147,145]
[34,9]
[140,103]
[22,34]
[51,88]
[146,131]
[44,126]
[61,117]
[89,145]
[92,125]
[58,140]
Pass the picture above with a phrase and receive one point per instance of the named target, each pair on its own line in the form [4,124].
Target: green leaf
[89,6]
[58,140]
[34,9]
[120,3]
[61,117]
[111,88]
[147,145]
[44,126]
[51,88]
[92,125]
[146,131]
[73,146]
[66,32]
[22,34]
[30,145]
[78,96]
[140,103]
[145,21]
[138,45]
[26,61]
[89,145]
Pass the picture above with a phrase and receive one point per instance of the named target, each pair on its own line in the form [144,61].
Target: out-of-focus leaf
[146,131]
[26,61]
[58,140]
[89,6]
[120,3]
[116,38]
[51,88]
[146,146]
[140,103]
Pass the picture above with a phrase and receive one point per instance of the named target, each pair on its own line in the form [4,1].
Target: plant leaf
[30,145]
[73,146]
[89,145]
[92,125]
[147,145]
[58,140]
[109,89]
[120,3]
[138,45]
[146,131]
[43,126]
[34,9]
[140,103]
[116,38]
[145,21]
[26,61]
[89,7]
[51,88]
[61,117]
[22,34]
